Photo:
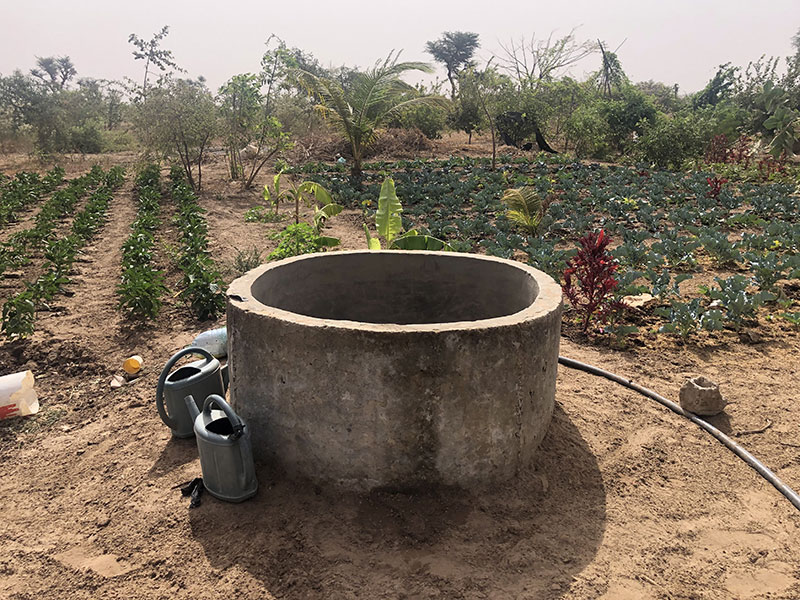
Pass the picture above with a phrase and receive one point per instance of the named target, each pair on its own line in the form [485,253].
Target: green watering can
[226,457]
[199,379]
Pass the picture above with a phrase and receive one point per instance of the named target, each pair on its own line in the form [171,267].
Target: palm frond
[524,207]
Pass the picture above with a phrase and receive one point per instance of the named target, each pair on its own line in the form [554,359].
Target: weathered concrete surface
[342,366]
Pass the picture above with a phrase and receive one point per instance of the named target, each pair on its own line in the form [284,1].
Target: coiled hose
[751,460]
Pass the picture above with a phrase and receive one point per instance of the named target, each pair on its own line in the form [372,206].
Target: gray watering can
[199,379]
[223,443]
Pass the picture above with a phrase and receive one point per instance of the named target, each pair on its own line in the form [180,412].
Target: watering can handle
[236,422]
[168,421]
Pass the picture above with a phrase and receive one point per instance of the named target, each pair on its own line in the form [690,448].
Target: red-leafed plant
[718,149]
[589,281]
[715,186]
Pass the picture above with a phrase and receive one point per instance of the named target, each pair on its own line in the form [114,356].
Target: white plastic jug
[17,396]
[213,340]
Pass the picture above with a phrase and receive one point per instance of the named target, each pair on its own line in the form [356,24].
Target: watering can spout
[192,406]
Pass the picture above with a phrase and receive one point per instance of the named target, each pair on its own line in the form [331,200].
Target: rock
[117,381]
[102,521]
[639,300]
[702,397]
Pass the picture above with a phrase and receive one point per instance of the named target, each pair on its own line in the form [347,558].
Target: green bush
[431,121]
[587,132]
[671,140]
[85,139]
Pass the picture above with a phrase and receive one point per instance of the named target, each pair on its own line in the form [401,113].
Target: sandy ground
[624,501]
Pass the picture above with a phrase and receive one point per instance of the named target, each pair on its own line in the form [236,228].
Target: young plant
[733,296]
[686,318]
[300,238]
[589,281]
[525,208]
[389,225]
[323,204]
[259,214]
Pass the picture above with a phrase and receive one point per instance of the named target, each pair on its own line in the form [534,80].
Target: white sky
[680,41]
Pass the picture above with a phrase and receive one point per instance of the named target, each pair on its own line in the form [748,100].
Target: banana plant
[389,225]
[296,193]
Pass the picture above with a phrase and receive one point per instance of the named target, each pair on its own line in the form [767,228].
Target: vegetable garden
[667,228]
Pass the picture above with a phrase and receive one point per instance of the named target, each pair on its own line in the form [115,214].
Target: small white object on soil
[702,397]
[117,381]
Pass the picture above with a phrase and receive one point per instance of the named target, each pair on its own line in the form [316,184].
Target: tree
[248,124]
[530,61]
[532,64]
[454,50]
[721,87]
[467,114]
[372,99]
[611,75]
[54,72]
[179,119]
[152,54]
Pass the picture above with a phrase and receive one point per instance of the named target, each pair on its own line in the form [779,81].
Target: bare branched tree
[534,60]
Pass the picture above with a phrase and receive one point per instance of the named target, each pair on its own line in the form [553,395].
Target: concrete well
[390,368]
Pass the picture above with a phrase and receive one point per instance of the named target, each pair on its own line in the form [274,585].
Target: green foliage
[686,318]
[151,52]
[670,141]
[454,50]
[721,87]
[141,285]
[631,113]
[732,295]
[524,208]
[202,281]
[58,118]
[466,114]
[389,225]
[588,130]
[24,190]
[19,312]
[19,315]
[388,221]
[372,99]
[252,134]
[431,121]
[783,120]
[300,238]
[260,214]
[178,119]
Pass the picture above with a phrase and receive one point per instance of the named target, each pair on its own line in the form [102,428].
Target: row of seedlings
[17,250]
[142,284]
[19,312]
[24,190]
[202,282]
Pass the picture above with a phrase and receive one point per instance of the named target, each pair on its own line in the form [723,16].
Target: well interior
[393,288]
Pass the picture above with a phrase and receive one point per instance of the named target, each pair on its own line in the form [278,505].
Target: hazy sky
[680,41]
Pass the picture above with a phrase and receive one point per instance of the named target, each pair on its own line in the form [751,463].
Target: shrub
[669,141]
[589,281]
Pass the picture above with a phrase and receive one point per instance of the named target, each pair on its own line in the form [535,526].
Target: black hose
[751,460]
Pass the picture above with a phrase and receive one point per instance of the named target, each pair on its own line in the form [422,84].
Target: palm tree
[368,101]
